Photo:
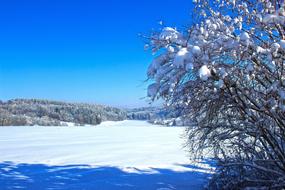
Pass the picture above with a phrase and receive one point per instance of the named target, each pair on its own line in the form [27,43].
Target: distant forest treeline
[29,112]
[21,112]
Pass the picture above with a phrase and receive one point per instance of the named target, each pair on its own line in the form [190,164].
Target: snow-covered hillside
[113,155]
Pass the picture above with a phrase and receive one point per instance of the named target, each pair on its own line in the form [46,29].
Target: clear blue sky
[80,50]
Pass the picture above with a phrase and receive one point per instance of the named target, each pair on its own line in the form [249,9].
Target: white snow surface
[113,155]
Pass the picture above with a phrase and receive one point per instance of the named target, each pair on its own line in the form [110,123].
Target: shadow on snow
[83,177]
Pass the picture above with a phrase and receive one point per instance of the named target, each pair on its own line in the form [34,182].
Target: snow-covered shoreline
[122,123]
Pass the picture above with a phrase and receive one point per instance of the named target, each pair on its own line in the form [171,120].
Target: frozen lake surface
[111,156]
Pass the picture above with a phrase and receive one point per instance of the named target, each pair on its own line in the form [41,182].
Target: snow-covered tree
[227,72]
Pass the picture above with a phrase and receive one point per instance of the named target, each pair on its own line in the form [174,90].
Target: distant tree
[98,119]
[227,73]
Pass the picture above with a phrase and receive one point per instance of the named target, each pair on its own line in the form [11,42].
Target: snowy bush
[227,72]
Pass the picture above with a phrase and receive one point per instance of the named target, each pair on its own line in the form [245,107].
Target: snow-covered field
[114,155]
